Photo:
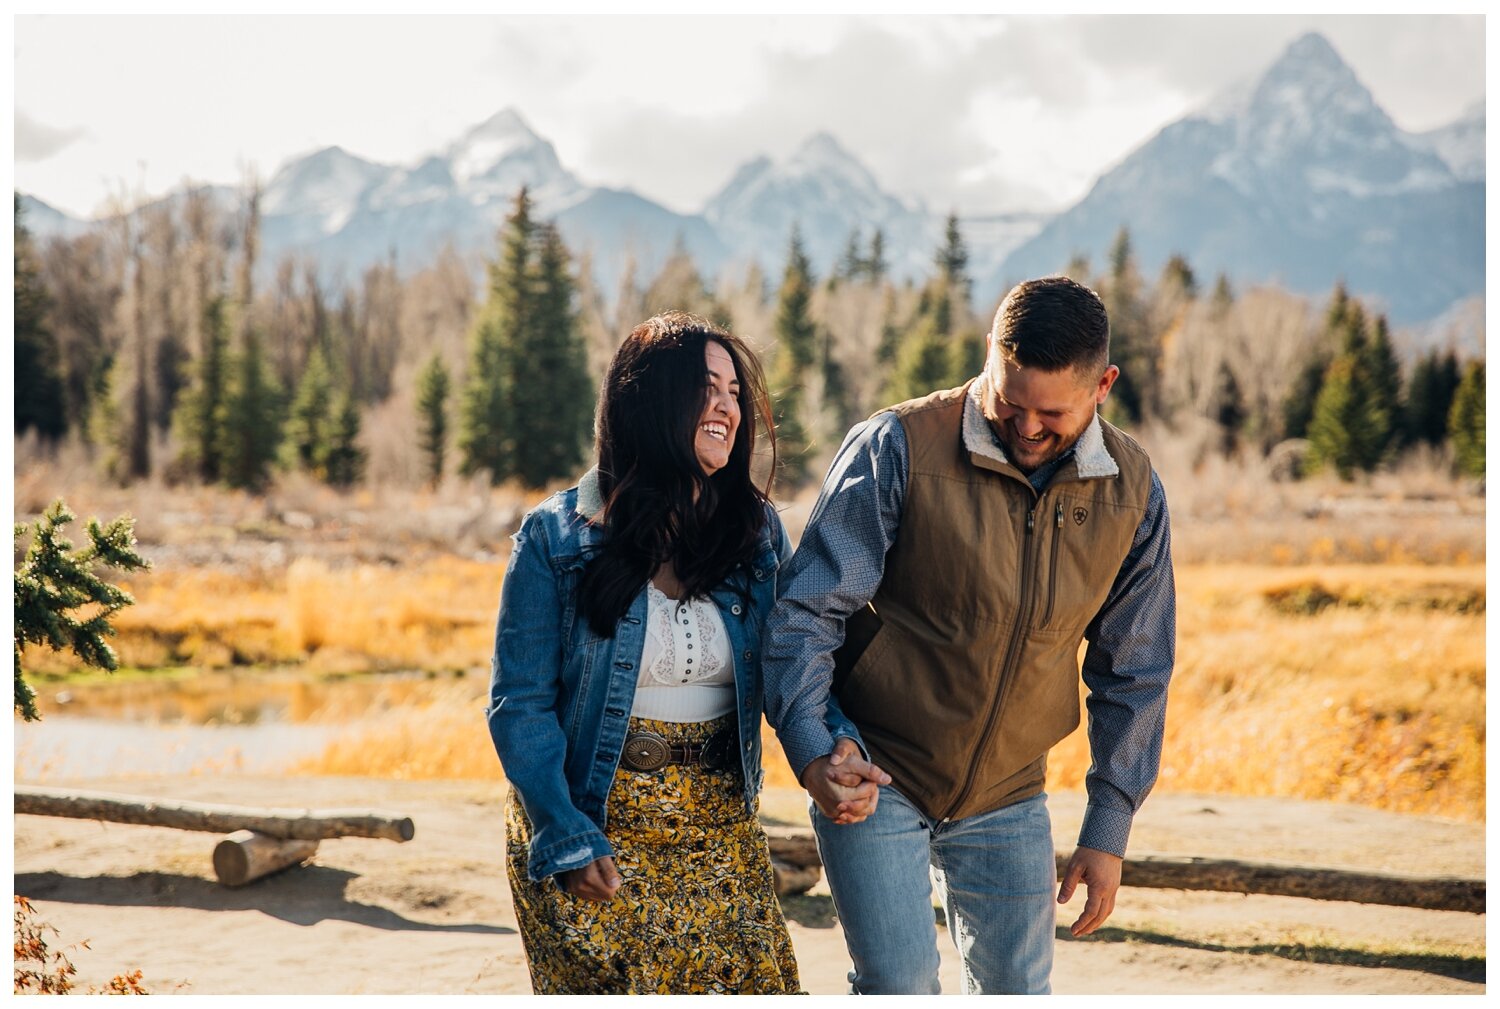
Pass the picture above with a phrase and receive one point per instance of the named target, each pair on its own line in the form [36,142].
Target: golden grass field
[1360,683]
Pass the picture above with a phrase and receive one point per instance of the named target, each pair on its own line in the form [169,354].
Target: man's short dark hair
[1053,323]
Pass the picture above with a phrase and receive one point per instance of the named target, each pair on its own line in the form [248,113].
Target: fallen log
[1433,893]
[245,856]
[287,824]
[794,879]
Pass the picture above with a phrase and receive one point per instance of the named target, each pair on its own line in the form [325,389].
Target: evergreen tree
[249,420]
[432,415]
[60,601]
[851,264]
[890,335]
[923,363]
[953,263]
[1178,276]
[1222,300]
[1466,421]
[38,386]
[1302,397]
[875,266]
[342,460]
[198,412]
[1384,371]
[795,349]
[1131,346]
[310,422]
[1229,409]
[1339,422]
[552,410]
[105,431]
[486,440]
[1429,397]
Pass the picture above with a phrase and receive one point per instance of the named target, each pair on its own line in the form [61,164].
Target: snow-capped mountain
[828,194]
[1297,177]
[1461,144]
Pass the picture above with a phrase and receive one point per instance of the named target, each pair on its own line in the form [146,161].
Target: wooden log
[1434,893]
[245,856]
[791,879]
[794,847]
[288,824]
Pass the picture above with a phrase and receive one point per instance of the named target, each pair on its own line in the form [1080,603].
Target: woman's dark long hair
[650,405]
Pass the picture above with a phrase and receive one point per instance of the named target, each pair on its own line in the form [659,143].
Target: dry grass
[1330,645]
[1353,684]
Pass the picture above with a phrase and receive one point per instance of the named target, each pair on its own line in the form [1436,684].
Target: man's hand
[1099,872]
[596,881]
[844,784]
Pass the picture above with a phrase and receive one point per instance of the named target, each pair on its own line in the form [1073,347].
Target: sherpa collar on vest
[1089,452]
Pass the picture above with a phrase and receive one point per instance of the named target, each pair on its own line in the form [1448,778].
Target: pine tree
[341,460]
[875,266]
[1339,421]
[1178,276]
[1429,397]
[953,262]
[851,264]
[1302,397]
[38,386]
[796,336]
[432,415]
[890,336]
[198,412]
[1466,421]
[310,421]
[248,420]
[922,364]
[486,440]
[1222,300]
[1131,347]
[1384,372]
[1229,409]
[552,409]
[60,601]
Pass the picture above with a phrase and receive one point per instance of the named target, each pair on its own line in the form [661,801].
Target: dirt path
[434,915]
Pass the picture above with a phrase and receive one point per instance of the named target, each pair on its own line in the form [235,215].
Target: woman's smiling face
[714,438]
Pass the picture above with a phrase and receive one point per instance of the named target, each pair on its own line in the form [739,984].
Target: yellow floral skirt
[696,911]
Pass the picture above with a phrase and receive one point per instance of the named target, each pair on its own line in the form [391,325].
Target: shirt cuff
[1105,828]
[805,743]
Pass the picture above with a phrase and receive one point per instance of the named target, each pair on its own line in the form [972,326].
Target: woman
[626,697]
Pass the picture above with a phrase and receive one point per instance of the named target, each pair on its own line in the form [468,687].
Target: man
[963,546]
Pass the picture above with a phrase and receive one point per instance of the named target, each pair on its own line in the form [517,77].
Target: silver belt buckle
[645,751]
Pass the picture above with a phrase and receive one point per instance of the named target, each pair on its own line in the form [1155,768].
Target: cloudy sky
[981,114]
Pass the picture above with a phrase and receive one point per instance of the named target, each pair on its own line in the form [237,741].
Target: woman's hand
[596,881]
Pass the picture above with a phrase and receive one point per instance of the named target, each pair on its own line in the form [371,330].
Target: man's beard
[1030,457]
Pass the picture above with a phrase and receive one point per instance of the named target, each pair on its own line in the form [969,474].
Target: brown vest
[963,671]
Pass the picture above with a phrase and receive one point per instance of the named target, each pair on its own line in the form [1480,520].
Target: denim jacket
[560,695]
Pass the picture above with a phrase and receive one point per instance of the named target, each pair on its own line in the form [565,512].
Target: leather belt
[647,751]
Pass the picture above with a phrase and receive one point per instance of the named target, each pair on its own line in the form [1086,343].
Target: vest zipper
[1052,570]
[1007,671]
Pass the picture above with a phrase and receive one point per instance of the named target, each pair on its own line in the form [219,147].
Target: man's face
[1040,414]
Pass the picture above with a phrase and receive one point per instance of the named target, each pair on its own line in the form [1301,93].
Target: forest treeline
[149,341]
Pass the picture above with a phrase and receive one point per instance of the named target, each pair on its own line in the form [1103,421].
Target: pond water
[210,723]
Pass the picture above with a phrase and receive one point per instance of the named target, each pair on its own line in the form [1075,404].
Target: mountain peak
[1312,49]
[507,123]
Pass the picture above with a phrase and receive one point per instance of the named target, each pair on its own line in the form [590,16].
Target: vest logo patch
[1079,514]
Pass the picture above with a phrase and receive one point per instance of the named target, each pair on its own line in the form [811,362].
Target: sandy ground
[434,915]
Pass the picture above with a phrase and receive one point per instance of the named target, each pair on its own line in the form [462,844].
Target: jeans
[994,872]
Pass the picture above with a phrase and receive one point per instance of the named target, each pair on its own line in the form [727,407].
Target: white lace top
[687,668]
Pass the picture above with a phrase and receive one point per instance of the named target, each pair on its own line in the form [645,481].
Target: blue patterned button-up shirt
[838,566]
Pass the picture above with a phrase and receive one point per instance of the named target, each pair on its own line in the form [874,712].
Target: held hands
[1099,872]
[596,881]
[844,784]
